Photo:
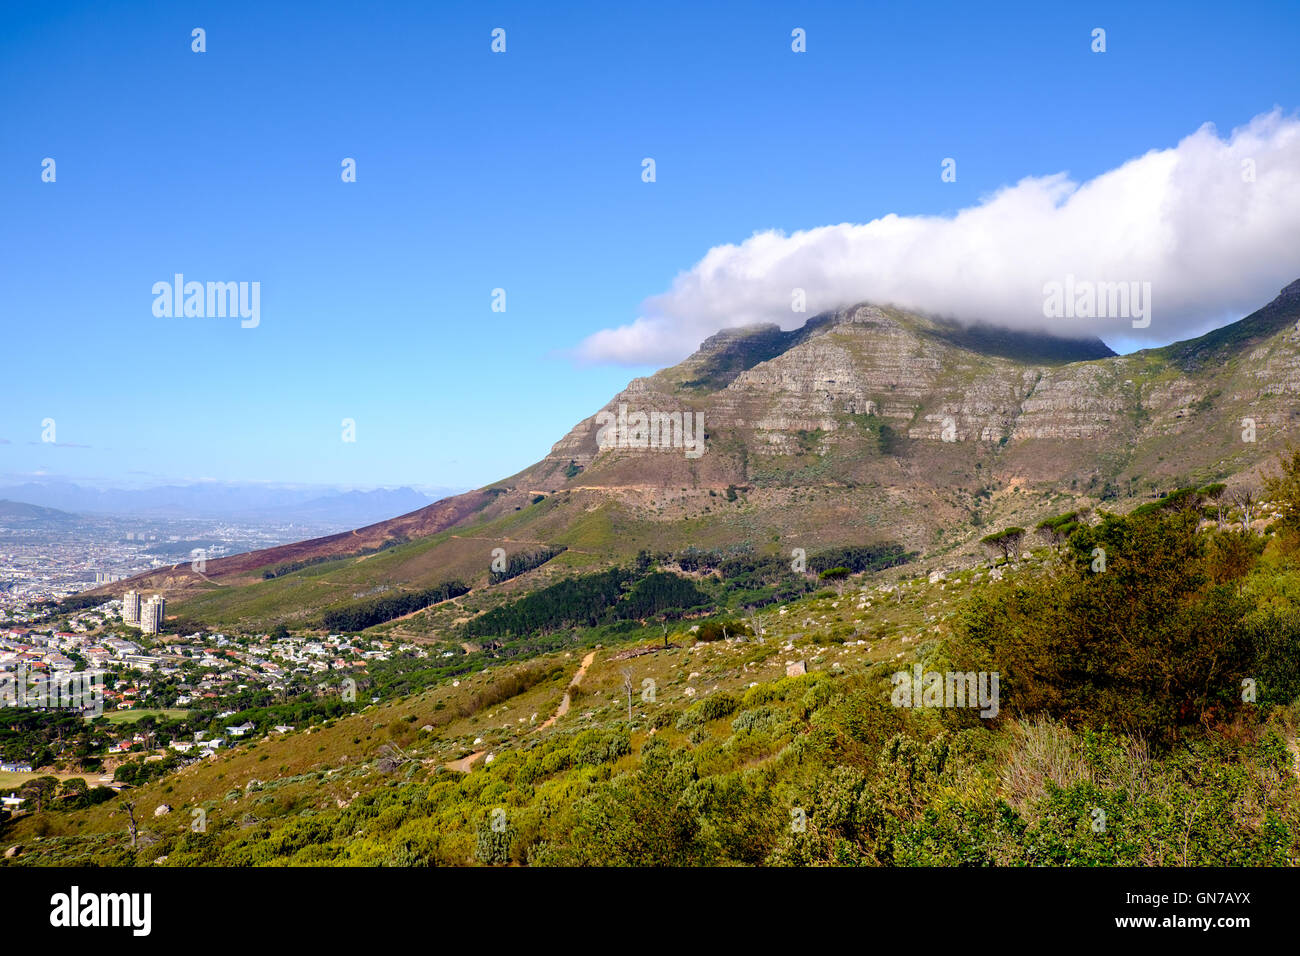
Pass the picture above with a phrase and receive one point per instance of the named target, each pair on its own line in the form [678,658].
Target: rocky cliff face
[847,376]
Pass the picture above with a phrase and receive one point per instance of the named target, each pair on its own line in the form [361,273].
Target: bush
[710,708]
[757,720]
[594,747]
[1148,645]
[715,630]
[1276,642]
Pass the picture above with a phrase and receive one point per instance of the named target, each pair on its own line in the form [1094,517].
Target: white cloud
[1213,246]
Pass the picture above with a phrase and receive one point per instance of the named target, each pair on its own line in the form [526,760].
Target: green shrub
[710,708]
[716,630]
[594,747]
[758,721]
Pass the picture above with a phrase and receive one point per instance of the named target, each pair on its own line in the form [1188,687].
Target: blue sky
[477,171]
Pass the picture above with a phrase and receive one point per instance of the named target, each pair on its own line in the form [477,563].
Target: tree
[720,630]
[74,793]
[1246,497]
[1058,529]
[1217,497]
[130,814]
[1007,542]
[837,575]
[40,791]
[627,686]
[1184,501]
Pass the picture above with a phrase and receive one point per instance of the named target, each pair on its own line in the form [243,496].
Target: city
[191,693]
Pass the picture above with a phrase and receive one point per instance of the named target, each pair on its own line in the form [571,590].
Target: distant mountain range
[21,513]
[236,502]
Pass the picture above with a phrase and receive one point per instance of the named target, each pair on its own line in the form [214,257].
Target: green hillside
[1122,733]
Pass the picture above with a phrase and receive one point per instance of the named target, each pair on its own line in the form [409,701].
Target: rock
[689,692]
[162,810]
[796,669]
[13,851]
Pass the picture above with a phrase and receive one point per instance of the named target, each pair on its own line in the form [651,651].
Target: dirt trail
[403,617]
[564,701]
[463,765]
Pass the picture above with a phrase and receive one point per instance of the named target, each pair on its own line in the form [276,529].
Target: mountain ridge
[232,501]
[867,424]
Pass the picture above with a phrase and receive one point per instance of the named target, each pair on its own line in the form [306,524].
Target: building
[131,607]
[151,615]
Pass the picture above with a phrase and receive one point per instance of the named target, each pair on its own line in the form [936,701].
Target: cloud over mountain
[1213,225]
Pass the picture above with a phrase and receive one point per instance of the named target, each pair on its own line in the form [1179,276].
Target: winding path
[465,763]
[564,701]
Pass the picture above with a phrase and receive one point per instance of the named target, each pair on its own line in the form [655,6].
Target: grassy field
[131,716]
[12,781]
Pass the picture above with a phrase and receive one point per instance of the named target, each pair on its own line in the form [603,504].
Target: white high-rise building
[131,607]
[151,615]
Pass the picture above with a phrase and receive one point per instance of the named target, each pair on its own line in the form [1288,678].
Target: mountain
[229,501]
[18,513]
[866,425]
[350,508]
